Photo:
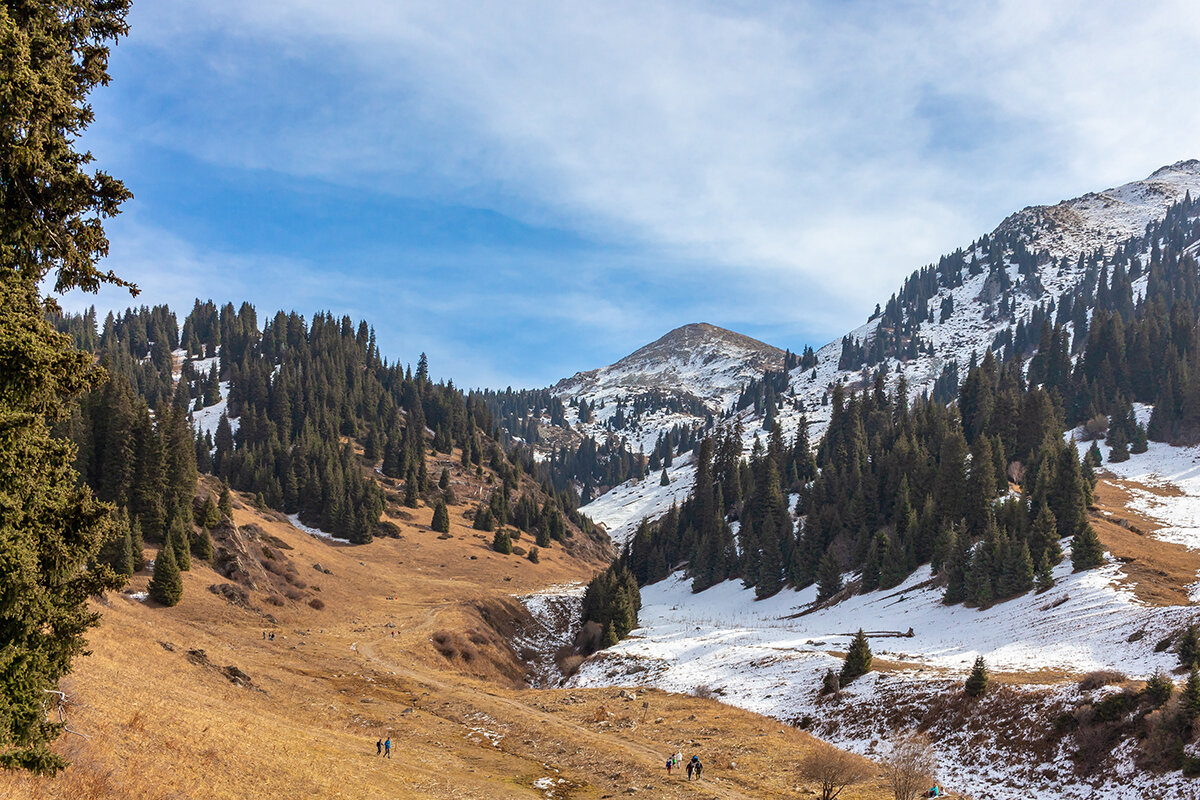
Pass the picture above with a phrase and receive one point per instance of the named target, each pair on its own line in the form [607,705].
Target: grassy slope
[160,725]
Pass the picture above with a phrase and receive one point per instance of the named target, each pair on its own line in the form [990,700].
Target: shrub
[977,681]
[858,659]
[1100,677]
[317,603]
[832,770]
[533,555]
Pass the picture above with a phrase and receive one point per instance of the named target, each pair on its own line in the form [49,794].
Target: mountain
[1039,266]
[699,361]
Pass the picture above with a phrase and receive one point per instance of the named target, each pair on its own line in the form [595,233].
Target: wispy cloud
[800,158]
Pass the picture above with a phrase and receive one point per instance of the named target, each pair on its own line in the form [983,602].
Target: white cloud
[829,146]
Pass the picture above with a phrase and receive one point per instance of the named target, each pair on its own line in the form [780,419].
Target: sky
[524,190]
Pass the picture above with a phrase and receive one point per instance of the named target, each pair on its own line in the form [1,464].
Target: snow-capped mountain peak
[702,361]
[1102,219]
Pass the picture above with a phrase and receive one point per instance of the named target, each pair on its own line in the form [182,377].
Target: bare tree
[833,769]
[909,765]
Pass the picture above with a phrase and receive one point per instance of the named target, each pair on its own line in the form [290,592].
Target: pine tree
[977,681]
[858,659]
[1086,550]
[664,480]
[533,555]
[444,479]
[441,518]
[1093,456]
[202,545]
[225,504]
[1188,646]
[166,586]
[412,496]
[1118,446]
[1043,579]
[1159,688]
[829,577]
[502,542]
[178,538]
[483,519]
[1191,695]
[210,517]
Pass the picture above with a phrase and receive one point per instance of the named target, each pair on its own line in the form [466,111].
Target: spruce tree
[1188,647]
[1190,702]
[977,681]
[166,586]
[202,545]
[444,479]
[138,543]
[1118,447]
[179,539]
[1093,456]
[52,209]
[1043,578]
[829,577]
[664,480]
[1159,688]
[412,496]
[502,542]
[858,659]
[1086,550]
[225,504]
[210,517]
[441,518]
[533,555]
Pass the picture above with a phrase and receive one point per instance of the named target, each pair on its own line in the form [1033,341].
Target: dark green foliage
[664,480]
[483,519]
[202,545]
[1188,646]
[830,683]
[502,542]
[1093,456]
[829,577]
[210,517]
[1086,550]
[1190,701]
[225,503]
[612,600]
[1159,688]
[441,518]
[977,681]
[444,479]
[166,586]
[533,555]
[858,659]
[1043,577]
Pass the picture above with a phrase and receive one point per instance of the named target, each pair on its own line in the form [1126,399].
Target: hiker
[379,747]
[670,762]
[387,748]
[264,636]
[690,768]
[272,636]
[935,791]
[694,766]
[678,757]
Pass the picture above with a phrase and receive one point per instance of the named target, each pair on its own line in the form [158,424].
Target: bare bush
[832,770]
[1100,677]
[909,764]
[1095,428]
[703,691]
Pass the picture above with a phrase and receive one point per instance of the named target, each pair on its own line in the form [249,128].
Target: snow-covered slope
[712,364]
[699,360]
[1102,219]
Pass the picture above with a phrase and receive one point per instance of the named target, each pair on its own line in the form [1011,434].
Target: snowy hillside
[982,308]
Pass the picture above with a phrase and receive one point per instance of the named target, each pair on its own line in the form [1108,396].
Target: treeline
[891,486]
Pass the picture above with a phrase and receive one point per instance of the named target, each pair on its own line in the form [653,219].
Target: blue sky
[523,190]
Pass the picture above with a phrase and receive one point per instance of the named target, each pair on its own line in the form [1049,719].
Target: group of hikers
[694,767]
[383,747]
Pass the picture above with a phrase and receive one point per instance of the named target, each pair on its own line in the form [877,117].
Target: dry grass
[1158,572]
[370,664]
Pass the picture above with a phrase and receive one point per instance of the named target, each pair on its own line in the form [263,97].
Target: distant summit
[700,360]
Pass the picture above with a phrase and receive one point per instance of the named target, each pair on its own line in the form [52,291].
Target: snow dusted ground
[320,534]
[622,508]
[555,610]
[753,655]
[207,419]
